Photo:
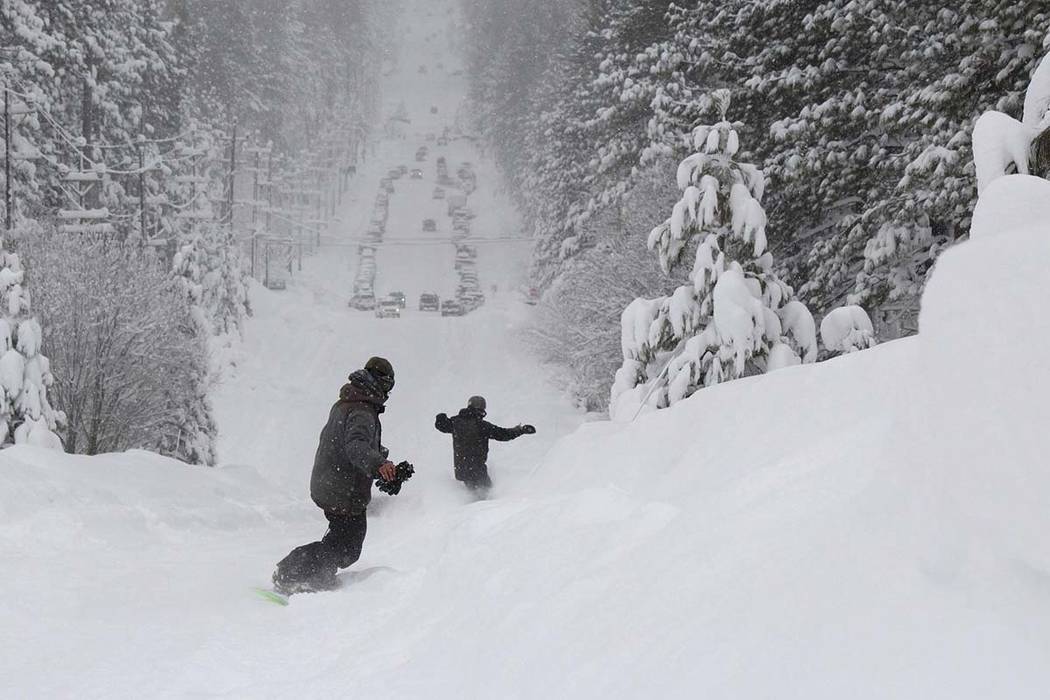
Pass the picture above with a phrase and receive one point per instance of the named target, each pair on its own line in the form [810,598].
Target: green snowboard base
[271,596]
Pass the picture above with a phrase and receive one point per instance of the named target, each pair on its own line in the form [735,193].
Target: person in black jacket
[350,456]
[470,442]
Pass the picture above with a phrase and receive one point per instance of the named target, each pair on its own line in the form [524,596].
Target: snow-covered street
[868,526]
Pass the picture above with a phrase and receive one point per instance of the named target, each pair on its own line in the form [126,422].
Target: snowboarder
[470,442]
[349,457]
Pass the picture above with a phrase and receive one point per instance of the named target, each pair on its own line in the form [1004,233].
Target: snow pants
[477,479]
[339,548]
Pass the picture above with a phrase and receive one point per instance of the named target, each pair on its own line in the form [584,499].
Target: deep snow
[868,527]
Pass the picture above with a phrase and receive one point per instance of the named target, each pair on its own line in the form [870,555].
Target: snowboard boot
[322,581]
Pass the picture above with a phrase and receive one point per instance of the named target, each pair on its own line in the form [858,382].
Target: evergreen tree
[26,415]
[735,316]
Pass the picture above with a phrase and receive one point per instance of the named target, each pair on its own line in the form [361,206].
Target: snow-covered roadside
[870,527]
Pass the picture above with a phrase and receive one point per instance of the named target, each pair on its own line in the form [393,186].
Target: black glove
[528,430]
[404,473]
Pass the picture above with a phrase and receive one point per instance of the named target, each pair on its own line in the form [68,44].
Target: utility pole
[142,191]
[233,178]
[269,187]
[7,159]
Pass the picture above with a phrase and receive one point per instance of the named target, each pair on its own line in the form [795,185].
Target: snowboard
[272,596]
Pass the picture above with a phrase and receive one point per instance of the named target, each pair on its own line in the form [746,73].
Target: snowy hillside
[873,526]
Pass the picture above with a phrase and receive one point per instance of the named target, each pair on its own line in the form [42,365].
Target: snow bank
[45,493]
[984,329]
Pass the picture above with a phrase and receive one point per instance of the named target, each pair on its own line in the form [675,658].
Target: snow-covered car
[433,109]
[428,301]
[443,141]
[388,308]
[532,296]
[430,225]
[403,169]
[451,307]
[363,302]
[431,137]
[394,174]
[416,174]
[399,297]
[439,193]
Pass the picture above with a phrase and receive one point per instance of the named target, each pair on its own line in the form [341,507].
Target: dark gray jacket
[350,452]
[470,440]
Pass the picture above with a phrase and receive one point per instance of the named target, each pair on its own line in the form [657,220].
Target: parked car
[443,141]
[394,173]
[363,302]
[451,307]
[416,174]
[439,193]
[429,225]
[399,297]
[403,169]
[433,109]
[532,296]
[421,155]
[429,302]
[388,308]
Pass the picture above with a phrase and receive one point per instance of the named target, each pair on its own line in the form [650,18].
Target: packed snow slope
[869,527]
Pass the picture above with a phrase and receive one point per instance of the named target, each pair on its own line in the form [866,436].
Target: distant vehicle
[433,109]
[439,193]
[403,169]
[363,302]
[416,174]
[443,141]
[421,155]
[451,307]
[429,302]
[430,225]
[389,187]
[532,296]
[399,297]
[388,308]
[422,70]
[394,173]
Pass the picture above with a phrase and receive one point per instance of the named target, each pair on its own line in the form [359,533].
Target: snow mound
[1011,203]
[984,326]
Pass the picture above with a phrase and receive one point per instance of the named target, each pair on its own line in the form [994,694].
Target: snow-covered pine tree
[213,276]
[26,415]
[736,316]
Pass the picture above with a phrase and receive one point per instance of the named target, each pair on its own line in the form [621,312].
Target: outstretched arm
[443,423]
[494,432]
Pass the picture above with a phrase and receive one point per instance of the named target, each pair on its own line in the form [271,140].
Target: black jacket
[470,440]
[350,451]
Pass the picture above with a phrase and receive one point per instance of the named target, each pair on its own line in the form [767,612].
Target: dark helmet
[383,371]
[477,403]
